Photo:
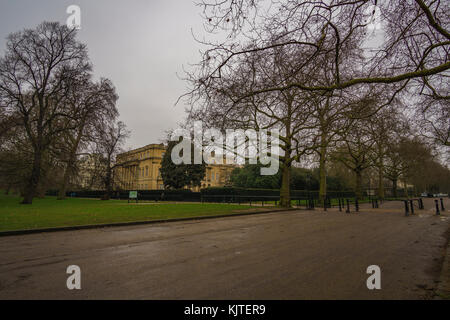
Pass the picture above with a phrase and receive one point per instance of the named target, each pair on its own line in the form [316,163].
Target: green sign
[133,195]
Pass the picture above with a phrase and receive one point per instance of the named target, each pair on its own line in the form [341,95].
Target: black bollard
[406,208]
[437,207]
[356,205]
[376,203]
[442,205]
[411,204]
[348,206]
[340,205]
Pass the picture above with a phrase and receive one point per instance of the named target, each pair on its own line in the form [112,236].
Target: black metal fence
[221,195]
[149,195]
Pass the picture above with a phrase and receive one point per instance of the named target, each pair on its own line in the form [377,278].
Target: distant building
[139,170]
[90,169]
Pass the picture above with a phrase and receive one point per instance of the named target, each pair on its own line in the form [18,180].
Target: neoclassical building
[139,170]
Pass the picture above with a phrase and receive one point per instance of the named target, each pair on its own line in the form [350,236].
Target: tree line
[309,69]
[53,112]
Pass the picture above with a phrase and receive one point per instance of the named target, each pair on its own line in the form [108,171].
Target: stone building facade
[139,170]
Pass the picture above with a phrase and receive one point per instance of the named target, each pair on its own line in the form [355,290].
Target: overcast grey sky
[140,45]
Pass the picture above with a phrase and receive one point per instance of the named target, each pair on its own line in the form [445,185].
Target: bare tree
[354,152]
[36,73]
[15,155]
[108,145]
[91,105]
[434,120]
[405,159]
[289,111]
[320,48]
[334,117]
[382,129]
[416,45]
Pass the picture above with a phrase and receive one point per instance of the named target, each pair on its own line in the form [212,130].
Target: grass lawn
[49,212]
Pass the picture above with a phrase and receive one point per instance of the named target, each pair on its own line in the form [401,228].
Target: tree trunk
[285,190]
[67,173]
[285,196]
[108,179]
[63,186]
[33,182]
[71,162]
[8,188]
[322,175]
[380,182]
[358,184]
[323,152]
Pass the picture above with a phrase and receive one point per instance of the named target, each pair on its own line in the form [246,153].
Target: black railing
[299,198]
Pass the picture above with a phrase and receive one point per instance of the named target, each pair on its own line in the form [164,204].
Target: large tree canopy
[312,70]
[416,38]
[178,176]
[50,106]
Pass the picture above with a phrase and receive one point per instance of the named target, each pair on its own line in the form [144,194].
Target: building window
[146,171]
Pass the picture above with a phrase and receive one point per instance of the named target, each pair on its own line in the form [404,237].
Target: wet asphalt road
[292,255]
